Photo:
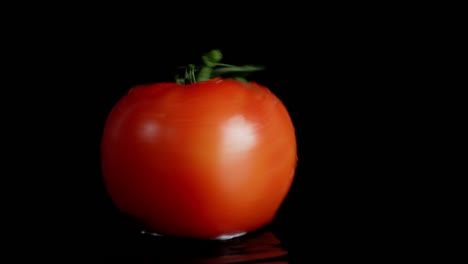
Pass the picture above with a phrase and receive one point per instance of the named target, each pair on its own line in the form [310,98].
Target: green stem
[204,74]
[211,68]
[210,61]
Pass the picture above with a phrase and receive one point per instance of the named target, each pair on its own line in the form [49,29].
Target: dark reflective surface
[262,246]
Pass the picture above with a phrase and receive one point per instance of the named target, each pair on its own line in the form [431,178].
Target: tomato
[199,160]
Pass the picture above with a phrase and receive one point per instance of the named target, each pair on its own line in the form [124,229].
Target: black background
[348,79]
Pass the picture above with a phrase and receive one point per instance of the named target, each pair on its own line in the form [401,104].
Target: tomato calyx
[212,68]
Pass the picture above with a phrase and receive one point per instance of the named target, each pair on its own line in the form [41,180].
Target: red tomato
[201,160]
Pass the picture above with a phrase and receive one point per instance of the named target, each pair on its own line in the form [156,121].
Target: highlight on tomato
[205,156]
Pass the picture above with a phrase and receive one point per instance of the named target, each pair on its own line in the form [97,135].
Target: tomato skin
[201,160]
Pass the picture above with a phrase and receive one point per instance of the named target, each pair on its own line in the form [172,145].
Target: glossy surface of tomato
[202,160]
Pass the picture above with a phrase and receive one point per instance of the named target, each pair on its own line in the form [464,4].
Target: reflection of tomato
[200,160]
